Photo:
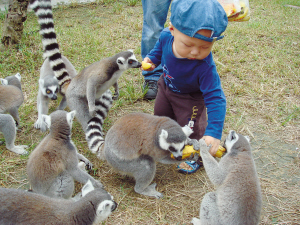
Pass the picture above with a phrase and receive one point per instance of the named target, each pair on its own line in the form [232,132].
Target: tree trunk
[13,24]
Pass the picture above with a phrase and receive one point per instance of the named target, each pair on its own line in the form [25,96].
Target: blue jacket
[182,75]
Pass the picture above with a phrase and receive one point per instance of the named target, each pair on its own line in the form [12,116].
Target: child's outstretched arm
[214,142]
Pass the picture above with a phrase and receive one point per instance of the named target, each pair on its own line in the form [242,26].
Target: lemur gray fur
[137,141]
[89,85]
[11,96]
[49,89]
[21,207]
[52,166]
[43,10]
[237,200]
[9,130]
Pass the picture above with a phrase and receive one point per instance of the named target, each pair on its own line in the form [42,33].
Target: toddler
[189,91]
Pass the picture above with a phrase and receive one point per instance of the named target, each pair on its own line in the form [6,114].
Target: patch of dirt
[278,168]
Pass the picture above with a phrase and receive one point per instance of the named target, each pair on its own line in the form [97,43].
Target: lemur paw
[155,193]
[203,146]
[88,165]
[20,149]
[150,191]
[195,221]
[194,143]
[40,124]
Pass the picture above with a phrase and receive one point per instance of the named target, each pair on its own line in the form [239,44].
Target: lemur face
[234,140]
[174,148]
[51,92]
[231,139]
[49,87]
[128,61]
[133,63]
[105,208]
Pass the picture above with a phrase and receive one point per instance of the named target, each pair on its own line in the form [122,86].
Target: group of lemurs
[132,146]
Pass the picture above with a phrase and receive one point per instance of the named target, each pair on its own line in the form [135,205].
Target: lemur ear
[164,134]
[41,82]
[120,60]
[130,50]
[163,140]
[4,82]
[187,130]
[47,120]
[88,187]
[247,138]
[18,76]
[71,115]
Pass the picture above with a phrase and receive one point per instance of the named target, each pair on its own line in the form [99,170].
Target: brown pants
[186,109]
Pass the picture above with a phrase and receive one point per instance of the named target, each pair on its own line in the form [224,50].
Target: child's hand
[147,60]
[214,144]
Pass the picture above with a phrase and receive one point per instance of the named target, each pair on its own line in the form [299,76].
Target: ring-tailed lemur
[137,141]
[94,80]
[52,166]
[22,207]
[89,94]
[43,10]
[238,197]
[11,96]
[49,89]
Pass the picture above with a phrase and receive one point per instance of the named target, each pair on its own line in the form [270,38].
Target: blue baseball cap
[190,16]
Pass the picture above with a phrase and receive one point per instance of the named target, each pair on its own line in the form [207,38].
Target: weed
[105,2]
[131,2]
[3,14]
[118,7]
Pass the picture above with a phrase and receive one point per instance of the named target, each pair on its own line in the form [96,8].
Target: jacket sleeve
[156,53]
[215,102]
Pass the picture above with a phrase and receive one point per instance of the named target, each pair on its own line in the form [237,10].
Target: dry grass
[258,62]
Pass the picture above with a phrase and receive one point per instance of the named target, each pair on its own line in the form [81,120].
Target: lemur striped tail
[43,11]
[93,134]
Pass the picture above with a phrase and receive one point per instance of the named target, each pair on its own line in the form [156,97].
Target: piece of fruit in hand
[146,65]
[189,150]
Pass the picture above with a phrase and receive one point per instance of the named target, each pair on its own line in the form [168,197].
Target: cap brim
[212,39]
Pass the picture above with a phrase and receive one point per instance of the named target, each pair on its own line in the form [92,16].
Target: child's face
[188,47]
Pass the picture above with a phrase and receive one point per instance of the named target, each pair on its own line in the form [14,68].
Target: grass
[258,62]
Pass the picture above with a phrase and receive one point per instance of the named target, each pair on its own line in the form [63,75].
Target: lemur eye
[48,91]
[130,61]
[172,149]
